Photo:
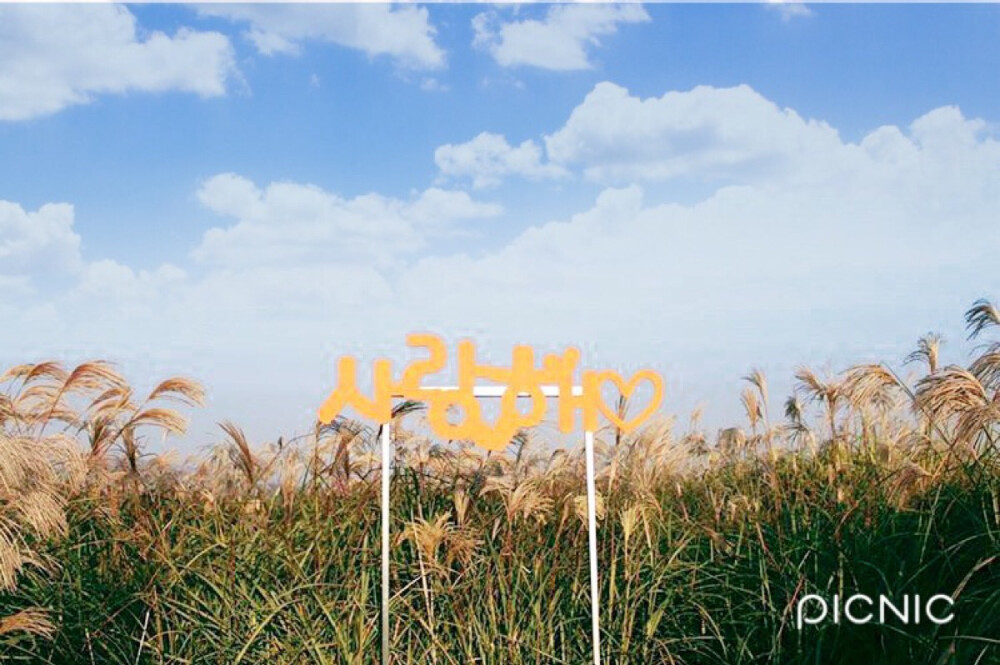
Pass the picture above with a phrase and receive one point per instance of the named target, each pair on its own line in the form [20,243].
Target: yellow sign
[522,378]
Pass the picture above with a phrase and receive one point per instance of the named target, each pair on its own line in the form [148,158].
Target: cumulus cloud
[14,288]
[293,223]
[559,41]
[403,33]
[706,132]
[42,241]
[52,57]
[109,280]
[488,158]
[837,249]
[713,134]
[789,9]
[788,257]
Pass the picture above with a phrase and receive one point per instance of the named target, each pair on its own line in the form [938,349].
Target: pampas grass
[268,553]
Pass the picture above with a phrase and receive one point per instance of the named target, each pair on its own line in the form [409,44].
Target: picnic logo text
[523,378]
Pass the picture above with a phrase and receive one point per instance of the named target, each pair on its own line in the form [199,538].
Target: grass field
[864,483]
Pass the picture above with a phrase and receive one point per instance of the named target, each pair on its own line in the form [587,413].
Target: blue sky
[245,193]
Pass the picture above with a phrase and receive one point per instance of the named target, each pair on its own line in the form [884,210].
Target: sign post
[595,590]
[523,379]
[487,392]
[386,478]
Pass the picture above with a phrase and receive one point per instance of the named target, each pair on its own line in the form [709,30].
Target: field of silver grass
[858,481]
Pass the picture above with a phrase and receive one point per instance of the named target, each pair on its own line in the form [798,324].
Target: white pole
[595,616]
[386,477]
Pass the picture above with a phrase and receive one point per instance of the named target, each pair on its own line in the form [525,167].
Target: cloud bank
[804,245]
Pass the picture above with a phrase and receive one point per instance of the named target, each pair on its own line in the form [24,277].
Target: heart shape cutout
[596,380]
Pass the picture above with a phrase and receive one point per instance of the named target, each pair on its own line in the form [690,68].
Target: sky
[244,193]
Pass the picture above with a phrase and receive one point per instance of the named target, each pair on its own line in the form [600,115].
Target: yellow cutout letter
[523,380]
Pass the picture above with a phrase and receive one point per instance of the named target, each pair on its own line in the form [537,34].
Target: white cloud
[853,255]
[295,223]
[37,242]
[789,9]
[12,288]
[707,132]
[403,33]
[560,41]
[52,57]
[112,281]
[488,158]
[435,209]
[431,84]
